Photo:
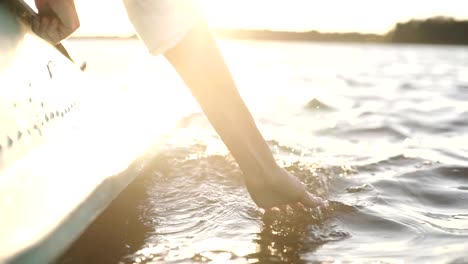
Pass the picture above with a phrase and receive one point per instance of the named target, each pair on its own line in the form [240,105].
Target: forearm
[200,64]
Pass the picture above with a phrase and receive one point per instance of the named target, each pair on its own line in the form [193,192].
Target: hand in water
[268,184]
[57,20]
[280,189]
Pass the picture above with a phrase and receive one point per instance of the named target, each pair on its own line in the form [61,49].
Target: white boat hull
[67,147]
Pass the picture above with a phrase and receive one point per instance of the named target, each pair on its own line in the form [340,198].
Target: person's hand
[280,189]
[57,20]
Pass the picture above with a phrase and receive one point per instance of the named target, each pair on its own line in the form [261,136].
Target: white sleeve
[162,24]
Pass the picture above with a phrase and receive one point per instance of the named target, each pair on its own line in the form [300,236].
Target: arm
[198,61]
[57,19]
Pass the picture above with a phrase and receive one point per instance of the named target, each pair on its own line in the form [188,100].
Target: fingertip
[274,209]
[54,22]
[298,206]
[312,201]
[44,20]
[35,24]
[44,23]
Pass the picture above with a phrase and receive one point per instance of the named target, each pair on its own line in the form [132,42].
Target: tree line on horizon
[435,30]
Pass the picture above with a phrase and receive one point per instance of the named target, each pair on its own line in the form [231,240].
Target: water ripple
[387,148]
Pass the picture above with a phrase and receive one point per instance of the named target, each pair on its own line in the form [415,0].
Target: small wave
[317,105]
[358,189]
[392,162]
[365,133]
[354,83]
[408,87]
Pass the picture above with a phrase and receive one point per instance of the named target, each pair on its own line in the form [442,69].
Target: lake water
[379,130]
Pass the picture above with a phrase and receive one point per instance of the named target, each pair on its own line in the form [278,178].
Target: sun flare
[108,17]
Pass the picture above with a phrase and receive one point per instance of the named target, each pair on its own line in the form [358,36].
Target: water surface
[379,130]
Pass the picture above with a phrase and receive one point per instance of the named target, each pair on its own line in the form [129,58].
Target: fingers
[275,209]
[299,206]
[294,209]
[309,200]
[36,23]
[65,11]
[44,24]
[57,20]
[40,25]
[53,31]
[48,28]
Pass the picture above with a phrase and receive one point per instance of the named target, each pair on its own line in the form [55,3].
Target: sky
[108,17]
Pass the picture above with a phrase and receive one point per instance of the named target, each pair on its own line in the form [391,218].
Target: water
[379,130]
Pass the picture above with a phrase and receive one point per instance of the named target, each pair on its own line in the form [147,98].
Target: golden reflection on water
[365,152]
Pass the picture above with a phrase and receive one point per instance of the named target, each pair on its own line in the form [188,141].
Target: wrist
[262,174]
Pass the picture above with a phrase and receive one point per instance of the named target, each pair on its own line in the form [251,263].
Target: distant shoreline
[437,30]
[245,34]
[313,35]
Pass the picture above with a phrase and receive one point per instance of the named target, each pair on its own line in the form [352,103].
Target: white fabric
[161,24]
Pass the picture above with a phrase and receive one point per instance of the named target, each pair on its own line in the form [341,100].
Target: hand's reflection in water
[287,234]
[125,232]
